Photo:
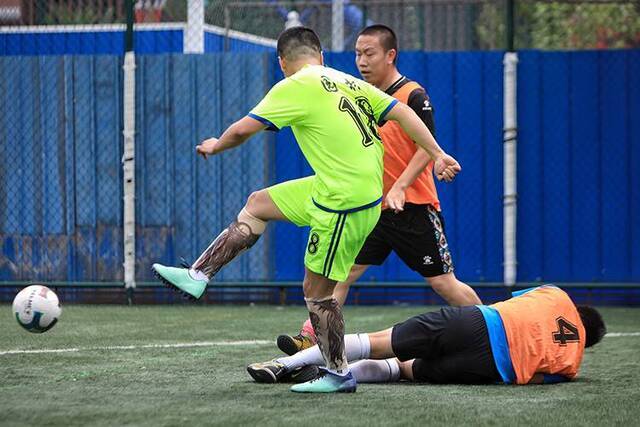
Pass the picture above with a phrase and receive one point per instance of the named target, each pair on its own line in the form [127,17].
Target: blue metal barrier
[61,142]
[578,166]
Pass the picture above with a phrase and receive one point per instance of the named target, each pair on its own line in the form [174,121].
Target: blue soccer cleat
[328,382]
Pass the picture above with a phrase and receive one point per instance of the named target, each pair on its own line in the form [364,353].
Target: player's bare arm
[445,166]
[396,197]
[235,135]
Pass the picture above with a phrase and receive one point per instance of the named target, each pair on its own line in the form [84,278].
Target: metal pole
[128,157]
[365,15]
[510,201]
[128,36]
[194,34]
[509,25]
[227,26]
[421,27]
[510,134]
[337,25]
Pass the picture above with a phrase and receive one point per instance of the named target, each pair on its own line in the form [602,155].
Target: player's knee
[442,283]
[316,286]
[258,205]
[306,287]
[253,200]
[356,271]
[406,370]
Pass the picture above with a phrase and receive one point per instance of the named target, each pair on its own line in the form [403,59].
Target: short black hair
[594,326]
[386,35]
[298,41]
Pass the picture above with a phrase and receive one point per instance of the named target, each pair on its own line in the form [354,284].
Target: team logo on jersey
[426,260]
[328,85]
[352,85]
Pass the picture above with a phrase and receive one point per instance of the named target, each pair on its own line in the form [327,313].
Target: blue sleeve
[523,291]
[526,291]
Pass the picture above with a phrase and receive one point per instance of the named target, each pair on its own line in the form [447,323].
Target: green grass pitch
[208,385]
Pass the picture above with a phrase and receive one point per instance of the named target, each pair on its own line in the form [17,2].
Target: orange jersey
[544,332]
[398,151]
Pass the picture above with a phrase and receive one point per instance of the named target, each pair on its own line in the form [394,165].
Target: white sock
[310,356]
[197,274]
[357,346]
[376,371]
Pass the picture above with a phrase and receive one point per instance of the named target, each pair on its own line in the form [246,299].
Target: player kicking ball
[411,223]
[334,118]
[536,337]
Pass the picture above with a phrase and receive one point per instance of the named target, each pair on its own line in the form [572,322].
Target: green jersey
[334,118]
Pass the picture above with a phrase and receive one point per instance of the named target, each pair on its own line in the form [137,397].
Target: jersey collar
[397,85]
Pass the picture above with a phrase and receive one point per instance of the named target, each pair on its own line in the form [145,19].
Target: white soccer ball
[36,308]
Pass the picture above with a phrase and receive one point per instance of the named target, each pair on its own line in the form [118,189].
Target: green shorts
[335,237]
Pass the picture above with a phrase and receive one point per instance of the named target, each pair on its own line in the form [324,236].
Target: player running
[538,336]
[411,223]
[334,117]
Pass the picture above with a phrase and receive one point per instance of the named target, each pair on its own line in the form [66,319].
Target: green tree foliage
[563,25]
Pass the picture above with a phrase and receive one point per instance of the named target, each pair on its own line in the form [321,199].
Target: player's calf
[235,239]
[239,236]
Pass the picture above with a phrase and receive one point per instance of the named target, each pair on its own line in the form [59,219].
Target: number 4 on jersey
[567,332]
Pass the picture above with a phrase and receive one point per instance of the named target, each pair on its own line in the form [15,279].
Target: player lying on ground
[538,336]
[411,223]
[334,118]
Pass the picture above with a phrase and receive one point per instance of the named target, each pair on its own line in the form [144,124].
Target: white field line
[622,334]
[195,344]
[136,347]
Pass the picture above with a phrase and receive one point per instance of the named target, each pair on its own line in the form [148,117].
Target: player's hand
[207,147]
[395,199]
[446,168]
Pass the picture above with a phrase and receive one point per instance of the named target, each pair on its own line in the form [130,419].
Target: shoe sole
[287,345]
[264,376]
[348,390]
[170,285]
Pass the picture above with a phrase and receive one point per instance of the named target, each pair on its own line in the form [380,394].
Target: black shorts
[450,345]
[415,234]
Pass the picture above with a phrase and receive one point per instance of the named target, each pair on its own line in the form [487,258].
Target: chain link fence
[449,24]
[88,12]
[61,88]
[431,25]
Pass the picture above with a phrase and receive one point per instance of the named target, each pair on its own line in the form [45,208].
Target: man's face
[372,61]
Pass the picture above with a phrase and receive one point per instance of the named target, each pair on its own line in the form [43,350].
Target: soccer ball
[36,308]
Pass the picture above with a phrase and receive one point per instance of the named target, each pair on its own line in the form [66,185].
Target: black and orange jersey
[399,149]
[543,331]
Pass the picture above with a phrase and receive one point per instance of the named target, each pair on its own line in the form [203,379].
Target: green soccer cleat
[180,280]
[292,344]
[275,372]
[328,382]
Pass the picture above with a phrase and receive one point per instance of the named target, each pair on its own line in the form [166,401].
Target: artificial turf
[208,385]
